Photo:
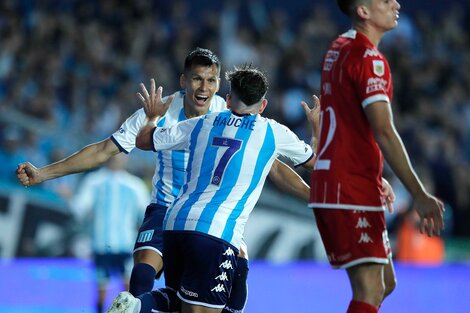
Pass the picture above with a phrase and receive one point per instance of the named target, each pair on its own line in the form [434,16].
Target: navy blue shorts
[151,231]
[199,267]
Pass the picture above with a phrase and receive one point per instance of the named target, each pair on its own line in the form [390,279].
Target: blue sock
[239,294]
[142,278]
[162,300]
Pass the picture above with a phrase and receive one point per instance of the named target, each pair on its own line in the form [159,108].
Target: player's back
[349,165]
[229,158]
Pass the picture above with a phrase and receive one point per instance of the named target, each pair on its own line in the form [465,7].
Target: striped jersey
[170,165]
[117,200]
[229,158]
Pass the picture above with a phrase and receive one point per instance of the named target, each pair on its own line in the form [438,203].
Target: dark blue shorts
[150,232]
[199,267]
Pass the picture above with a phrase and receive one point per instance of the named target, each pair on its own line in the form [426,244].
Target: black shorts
[199,267]
[151,232]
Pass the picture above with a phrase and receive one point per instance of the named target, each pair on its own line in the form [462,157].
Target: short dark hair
[248,83]
[201,56]
[345,6]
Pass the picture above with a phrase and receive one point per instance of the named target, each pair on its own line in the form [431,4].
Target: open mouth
[201,100]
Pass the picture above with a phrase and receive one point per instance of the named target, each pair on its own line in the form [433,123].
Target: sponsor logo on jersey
[222,277]
[229,252]
[375,84]
[330,58]
[379,67]
[227,265]
[189,293]
[145,236]
[362,223]
[365,238]
[371,53]
[218,288]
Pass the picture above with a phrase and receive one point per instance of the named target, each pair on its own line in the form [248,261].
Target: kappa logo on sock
[218,288]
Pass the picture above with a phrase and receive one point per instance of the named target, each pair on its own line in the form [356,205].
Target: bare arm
[429,208]
[286,179]
[87,158]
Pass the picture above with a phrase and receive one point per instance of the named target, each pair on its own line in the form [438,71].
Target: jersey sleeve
[371,75]
[290,146]
[175,137]
[125,136]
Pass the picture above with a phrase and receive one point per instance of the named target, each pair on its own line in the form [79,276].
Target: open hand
[154,106]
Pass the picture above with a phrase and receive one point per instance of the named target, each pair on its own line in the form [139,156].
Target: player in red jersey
[356,128]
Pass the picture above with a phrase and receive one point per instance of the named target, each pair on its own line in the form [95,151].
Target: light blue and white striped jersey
[229,159]
[117,200]
[171,165]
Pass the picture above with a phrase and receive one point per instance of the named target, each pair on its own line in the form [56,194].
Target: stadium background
[69,71]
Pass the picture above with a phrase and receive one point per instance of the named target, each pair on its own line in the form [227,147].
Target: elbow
[142,142]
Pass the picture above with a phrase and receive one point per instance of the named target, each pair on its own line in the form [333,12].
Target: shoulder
[218,104]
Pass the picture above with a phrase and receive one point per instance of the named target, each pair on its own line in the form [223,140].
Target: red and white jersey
[348,171]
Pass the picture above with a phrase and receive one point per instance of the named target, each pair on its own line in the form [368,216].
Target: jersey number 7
[232,145]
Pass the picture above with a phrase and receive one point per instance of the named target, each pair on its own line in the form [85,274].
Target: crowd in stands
[69,71]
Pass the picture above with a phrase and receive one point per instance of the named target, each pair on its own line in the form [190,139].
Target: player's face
[384,14]
[201,83]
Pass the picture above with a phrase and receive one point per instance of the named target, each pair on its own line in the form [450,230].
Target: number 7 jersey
[349,165]
[229,158]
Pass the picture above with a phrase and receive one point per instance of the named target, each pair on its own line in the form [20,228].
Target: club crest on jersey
[379,67]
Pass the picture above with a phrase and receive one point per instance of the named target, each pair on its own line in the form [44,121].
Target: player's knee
[149,257]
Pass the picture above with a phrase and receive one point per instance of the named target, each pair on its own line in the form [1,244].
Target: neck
[374,35]
[189,112]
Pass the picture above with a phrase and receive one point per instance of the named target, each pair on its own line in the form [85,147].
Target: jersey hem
[315,205]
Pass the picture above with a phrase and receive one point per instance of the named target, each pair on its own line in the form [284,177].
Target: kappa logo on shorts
[218,288]
[229,252]
[365,238]
[145,236]
[227,265]
[222,277]
[362,223]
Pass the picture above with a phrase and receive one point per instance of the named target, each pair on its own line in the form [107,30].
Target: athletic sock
[162,300]
[239,294]
[361,307]
[142,278]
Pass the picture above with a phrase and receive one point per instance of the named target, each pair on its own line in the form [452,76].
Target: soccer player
[230,155]
[357,132]
[200,82]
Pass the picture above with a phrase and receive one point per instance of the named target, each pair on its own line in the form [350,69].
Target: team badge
[379,67]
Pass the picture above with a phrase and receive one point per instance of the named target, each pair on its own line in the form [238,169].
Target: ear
[362,11]
[183,81]
[228,101]
[264,103]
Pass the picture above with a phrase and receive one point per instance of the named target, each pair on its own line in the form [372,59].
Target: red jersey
[348,171]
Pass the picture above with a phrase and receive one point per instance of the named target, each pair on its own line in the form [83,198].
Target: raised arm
[286,179]
[88,157]
[429,208]
[154,107]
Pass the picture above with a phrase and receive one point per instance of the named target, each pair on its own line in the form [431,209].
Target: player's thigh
[367,281]
[390,279]
[148,247]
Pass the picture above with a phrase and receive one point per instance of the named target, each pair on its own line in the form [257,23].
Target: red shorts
[353,237]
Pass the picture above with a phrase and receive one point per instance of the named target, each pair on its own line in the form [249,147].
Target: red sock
[361,307]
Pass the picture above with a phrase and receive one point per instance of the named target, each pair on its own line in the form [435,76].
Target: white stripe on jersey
[229,159]
[170,166]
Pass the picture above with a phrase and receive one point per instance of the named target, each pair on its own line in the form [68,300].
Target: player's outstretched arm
[154,107]
[286,179]
[429,208]
[87,158]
